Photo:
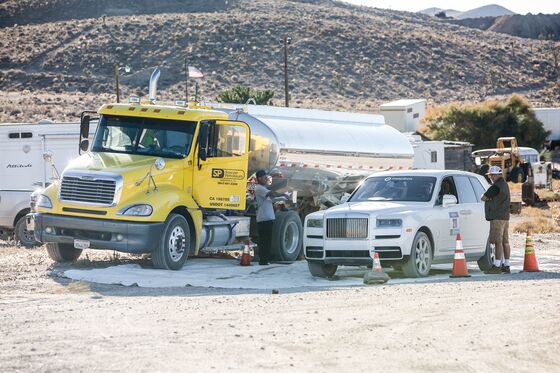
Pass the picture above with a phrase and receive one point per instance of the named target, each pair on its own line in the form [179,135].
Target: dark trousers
[265,238]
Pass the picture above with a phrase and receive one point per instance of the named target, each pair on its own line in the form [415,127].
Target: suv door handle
[465,212]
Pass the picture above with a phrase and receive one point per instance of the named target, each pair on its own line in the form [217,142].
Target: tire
[22,235]
[320,269]
[63,252]
[174,246]
[287,237]
[517,175]
[421,254]
[485,262]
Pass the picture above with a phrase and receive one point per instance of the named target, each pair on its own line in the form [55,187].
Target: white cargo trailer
[428,155]
[23,168]
[551,120]
[404,115]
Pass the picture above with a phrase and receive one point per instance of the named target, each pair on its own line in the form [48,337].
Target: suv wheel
[320,269]
[420,261]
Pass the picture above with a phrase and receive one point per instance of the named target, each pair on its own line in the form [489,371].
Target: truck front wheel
[62,252]
[174,245]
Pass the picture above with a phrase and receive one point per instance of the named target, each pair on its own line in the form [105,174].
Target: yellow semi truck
[171,180]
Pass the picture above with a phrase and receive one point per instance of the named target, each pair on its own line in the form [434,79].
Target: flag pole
[186,82]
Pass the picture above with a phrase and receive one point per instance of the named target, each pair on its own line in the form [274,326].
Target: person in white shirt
[265,215]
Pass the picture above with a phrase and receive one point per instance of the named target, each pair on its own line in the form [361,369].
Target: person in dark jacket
[496,208]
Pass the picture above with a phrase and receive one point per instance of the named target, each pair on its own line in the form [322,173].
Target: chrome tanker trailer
[319,155]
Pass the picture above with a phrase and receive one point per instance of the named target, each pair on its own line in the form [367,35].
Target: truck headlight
[43,201]
[136,210]
[315,223]
[389,223]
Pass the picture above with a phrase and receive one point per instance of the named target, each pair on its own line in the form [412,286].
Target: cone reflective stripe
[530,263]
[459,260]
[376,263]
[246,256]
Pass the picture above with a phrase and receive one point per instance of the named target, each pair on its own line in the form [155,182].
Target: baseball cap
[260,173]
[494,170]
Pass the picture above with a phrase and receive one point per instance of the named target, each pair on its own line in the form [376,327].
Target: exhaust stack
[153,85]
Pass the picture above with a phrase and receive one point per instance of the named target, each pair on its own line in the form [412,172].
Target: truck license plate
[81,244]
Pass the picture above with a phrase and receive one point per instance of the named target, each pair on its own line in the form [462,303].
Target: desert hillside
[533,26]
[56,61]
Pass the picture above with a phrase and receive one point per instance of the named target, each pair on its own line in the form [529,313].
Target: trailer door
[220,167]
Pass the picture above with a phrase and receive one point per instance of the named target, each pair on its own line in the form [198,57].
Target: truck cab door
[221,163]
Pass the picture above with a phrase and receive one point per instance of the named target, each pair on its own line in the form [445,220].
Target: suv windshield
[145,136]
[395,188]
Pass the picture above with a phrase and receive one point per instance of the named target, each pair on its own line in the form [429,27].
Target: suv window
[478,188]
[447,186]
[465,189]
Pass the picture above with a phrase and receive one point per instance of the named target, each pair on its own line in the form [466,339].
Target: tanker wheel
[287,236]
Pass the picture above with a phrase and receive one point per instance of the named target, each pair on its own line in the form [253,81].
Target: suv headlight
[136,210]
[43,201]
[389,223]
[315,223]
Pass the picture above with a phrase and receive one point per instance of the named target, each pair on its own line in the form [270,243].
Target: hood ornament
[159,164]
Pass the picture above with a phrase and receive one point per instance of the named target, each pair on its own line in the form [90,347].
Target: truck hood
[132,168]
[110,162]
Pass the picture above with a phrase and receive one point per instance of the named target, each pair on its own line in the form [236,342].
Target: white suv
[411,218]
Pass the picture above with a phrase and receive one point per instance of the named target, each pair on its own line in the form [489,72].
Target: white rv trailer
[404,115]
[551,121]
[23,168]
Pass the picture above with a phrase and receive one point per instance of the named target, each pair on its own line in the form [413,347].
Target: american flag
[195,73]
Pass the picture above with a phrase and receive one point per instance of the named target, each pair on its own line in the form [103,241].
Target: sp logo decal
[218,173]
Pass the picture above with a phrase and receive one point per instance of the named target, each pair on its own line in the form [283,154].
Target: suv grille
[96,191]
[347,228]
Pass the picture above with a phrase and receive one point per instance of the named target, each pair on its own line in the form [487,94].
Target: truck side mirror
[202,154]
[84,126]
[203,140]
[84,145]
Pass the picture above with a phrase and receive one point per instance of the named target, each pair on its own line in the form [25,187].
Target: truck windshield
[145,136]
[395,188]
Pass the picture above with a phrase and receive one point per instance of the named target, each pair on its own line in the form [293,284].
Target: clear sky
[518,6]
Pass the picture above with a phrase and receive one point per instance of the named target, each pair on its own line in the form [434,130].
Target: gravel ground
[498,323]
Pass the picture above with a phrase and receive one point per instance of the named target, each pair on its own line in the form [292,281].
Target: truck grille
[95,191]
[347,228]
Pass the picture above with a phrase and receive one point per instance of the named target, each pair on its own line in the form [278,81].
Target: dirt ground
[498,323]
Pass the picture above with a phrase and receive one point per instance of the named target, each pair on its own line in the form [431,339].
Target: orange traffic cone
[530,263]
[459,261]
[376,263]
[376,275]
[246,256]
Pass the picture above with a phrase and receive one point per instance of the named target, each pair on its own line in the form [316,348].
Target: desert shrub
[481,124]
[241,94]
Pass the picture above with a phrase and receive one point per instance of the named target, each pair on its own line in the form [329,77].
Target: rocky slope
[342,57]
[533,26]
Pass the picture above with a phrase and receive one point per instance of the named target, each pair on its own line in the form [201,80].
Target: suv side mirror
[345,198]
[449,200]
